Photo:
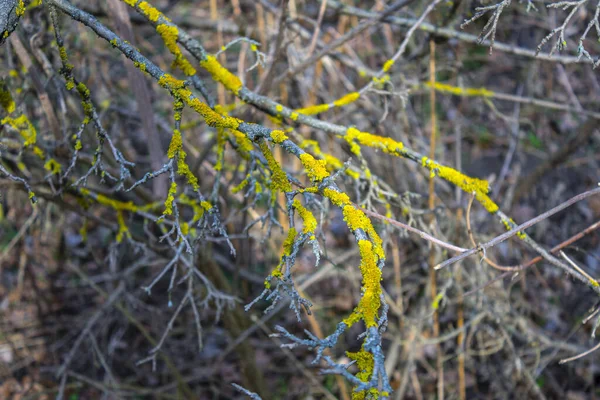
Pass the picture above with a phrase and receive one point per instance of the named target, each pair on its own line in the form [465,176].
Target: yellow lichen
[20,8]
[388,65]
[279,180]
[288,244]
[312,110]
[107,201]
[347,99]
[221,74]
[470,185]
[176,149]
[386,144]
[315,169]
[278,136]
[169,34]
[53,166]
[152,13]
[370,302]
[170,199]
[24,127]
[6,100]
[123,229]
[242,141]
[308,219]
[458,91]
[338,198]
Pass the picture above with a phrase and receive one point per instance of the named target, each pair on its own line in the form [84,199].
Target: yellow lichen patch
[278,136]
[171,83]
[152,13]
[170,199]
[510,224]
[370,302]
[176,149]
[221,74]
[20,8]
[458,91]
[24,127]
[279,108]
[347,99]
[185,228]
[386,144]
[169,34]
[176,144]
[388,65]
[380,82]
[241,185]
[312,110]
[365,364]
[107,201]
[39,152]
[140,66]
[184,170]
[6,100]
[123,229]
[470,185]
[356,219]
[338,198]
[242,141]
[308,219]
[53,166]
[211,117]
[294,116]
[198,207]
[279,180]
[315,169]
[288,244]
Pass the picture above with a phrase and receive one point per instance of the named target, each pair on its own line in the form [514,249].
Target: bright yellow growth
[458,91]
[176,144]
[170,199]
[53,166]
[388,65]
[470,185]
[169,34]
[347,99]
[24,127]
[198,207]
[6,100]
[244,144]
[315,169]
[211,117]
[123,229]
[279,180]
[365,364]
[152,13]
[337,198]
[356,219]
[176,149]
[312,110]
[370,302]
[510,224]
[107,201]
[386,144]
[221,74]
[278,136]
[310,223]
[20,8]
